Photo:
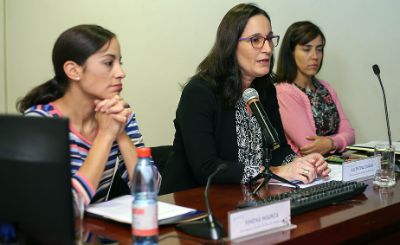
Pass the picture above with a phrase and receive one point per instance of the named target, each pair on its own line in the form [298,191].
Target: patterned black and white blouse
[250,143]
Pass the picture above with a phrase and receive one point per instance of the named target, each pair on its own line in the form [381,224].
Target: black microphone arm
[251,98]
[377,72]
[206,228]
[220,167]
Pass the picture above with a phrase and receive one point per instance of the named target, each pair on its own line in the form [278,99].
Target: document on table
[335,174]
[369,146]
[120,209]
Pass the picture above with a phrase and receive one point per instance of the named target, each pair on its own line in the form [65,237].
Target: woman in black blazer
[214,125]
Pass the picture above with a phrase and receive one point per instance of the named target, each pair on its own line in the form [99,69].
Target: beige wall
[2,63]
[163,42]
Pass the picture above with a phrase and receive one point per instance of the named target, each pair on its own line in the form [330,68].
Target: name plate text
[360,169]
[250,221]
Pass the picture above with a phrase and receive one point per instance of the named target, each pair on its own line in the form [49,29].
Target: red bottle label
[144,220]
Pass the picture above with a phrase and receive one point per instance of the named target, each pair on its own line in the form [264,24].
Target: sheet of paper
[119,209]
[369,146]
[373,143]
[335,174]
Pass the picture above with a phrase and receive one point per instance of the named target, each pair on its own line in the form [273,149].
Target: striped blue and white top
[79,148]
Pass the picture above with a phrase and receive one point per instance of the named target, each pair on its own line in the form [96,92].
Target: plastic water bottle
[144,204]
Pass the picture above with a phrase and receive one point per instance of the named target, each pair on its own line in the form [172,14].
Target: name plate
[247,222]
[360,169]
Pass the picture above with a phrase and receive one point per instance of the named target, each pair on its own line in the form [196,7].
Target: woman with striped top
[86,89]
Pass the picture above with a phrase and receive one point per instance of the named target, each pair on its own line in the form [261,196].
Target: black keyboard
[313,197]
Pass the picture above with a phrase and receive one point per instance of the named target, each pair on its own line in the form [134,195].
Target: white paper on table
[369,146]
[120,209]
[335,174]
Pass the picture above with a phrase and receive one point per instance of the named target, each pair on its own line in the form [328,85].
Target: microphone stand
[377,72]
[209,227]
[267,174]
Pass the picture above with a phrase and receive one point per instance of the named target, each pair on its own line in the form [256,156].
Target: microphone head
[249,94]
[376,69]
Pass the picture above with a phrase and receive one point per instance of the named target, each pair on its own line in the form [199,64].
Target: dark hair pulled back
[76,44]
[299,33]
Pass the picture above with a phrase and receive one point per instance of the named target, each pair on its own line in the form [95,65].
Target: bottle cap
[143,152]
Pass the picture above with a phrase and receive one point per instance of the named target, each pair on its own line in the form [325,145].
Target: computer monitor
[35,179]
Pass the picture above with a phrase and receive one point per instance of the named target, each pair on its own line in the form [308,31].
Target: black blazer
[206,136]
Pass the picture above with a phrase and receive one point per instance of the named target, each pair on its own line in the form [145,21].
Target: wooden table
[373,217]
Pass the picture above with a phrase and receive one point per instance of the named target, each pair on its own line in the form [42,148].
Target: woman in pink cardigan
[312,116]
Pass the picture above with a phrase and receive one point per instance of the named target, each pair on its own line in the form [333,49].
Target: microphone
[251,98]
[377,72]
[209,227]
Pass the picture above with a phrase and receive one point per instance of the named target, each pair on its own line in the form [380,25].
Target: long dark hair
[76,44]
[300,33]
[220,66]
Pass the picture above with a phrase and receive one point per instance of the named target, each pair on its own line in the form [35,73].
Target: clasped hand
[112,115]
[307,168]
[319,144]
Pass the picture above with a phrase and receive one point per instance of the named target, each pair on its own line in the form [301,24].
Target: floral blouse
[323,107]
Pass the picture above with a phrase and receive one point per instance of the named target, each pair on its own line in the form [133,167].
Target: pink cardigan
[298,120]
